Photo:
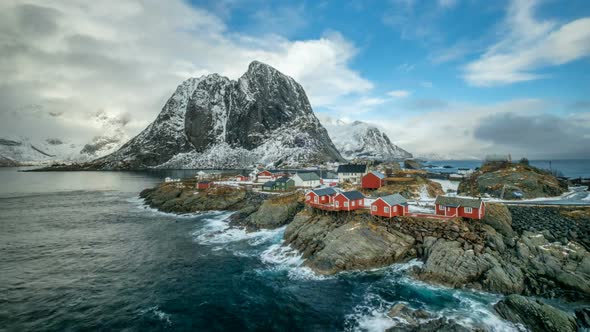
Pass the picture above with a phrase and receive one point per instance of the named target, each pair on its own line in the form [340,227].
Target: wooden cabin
[242,178]
[373,180]
[464,207]
[320,196]
[264,176]
[349,201]
[351,172]
[202,185]
[307,179]
[269,186]
[284,183]
[390,206]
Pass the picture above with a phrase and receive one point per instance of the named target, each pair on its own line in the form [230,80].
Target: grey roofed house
[282,179]
[268,184]
[395,199]
[325,191]
[308,176]
[378,174]
[352,168]
[355,194]
[458,201]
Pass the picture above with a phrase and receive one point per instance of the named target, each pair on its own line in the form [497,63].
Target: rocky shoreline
[516,251]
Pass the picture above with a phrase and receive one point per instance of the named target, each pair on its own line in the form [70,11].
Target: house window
[352,203]
[468,210]
[441,207]
[395,209]
[308,198]
[345,204]
[374,208]
[386,209]
[337,204]
[315,199]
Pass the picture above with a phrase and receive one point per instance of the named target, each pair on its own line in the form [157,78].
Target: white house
[351,172]
[308,179]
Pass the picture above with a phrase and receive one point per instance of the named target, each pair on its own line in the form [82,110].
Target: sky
[448,78]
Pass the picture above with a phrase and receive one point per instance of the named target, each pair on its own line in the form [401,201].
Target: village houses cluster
[323,191]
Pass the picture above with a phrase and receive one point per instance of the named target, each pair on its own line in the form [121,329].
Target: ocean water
[573,168]
[79,251]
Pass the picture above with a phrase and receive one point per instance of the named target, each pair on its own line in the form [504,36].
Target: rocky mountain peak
[212,121]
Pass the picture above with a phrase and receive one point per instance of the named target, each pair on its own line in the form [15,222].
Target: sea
[80,252]
[572,168]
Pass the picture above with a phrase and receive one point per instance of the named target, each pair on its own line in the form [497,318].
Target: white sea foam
[140,207]
[281,258]
[155,312]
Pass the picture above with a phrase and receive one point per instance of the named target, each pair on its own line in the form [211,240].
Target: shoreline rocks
[535,315]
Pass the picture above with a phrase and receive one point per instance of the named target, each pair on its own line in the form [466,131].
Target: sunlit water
[80,252]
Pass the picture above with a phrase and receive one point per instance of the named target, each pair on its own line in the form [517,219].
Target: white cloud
[399,93]
[76,58]
[448,130]
[528,45]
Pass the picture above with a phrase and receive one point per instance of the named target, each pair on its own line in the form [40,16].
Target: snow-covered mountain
[212,122]
[18,150]
[362,140]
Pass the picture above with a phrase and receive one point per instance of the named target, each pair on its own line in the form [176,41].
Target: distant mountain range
[360,140]
[264,117]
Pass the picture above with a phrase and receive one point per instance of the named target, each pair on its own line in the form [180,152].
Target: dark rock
[583,317]
[534,315]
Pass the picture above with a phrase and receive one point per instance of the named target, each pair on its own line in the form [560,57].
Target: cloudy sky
[450,77]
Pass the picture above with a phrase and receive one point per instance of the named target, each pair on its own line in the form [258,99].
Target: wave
[154,313]
[140,207]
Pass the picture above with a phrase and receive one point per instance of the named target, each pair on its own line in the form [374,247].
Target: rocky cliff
[360,140]
[214,122]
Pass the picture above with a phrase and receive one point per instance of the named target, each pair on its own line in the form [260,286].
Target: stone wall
[561,224]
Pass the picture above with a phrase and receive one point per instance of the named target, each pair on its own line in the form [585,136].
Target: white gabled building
[351,172]
[307,179]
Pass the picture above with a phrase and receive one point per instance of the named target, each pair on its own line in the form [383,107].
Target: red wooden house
[204,185]
[460,207]
[390,206]
[264,176]
[349,201]
[372,180]
[242,178]
[320,196]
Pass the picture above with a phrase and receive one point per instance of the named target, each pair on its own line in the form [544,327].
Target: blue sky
[440,77]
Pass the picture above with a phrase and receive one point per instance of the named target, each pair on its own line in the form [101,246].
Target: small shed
[373,180]
[242,178]
[349,200]
[284,183]
[264,176]
[390,206]
[464,207]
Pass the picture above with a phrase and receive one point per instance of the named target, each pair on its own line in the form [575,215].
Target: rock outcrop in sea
[214,122]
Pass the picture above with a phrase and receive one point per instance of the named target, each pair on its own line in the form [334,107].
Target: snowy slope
[27,151]
[214,122]
[361,140]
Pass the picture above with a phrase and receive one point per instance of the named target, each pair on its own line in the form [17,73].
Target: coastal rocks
[412,164]
[511,181]
[411,320]
[554,264]
[557,223]
[583,317]
[274,212]
[499,217]
[449,264]
[333,247]
[182,198]
[414,188]
[535,315]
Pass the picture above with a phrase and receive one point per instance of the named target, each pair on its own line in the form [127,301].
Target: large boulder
[331,246]
[499,217]
[535,315]
[274,213]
